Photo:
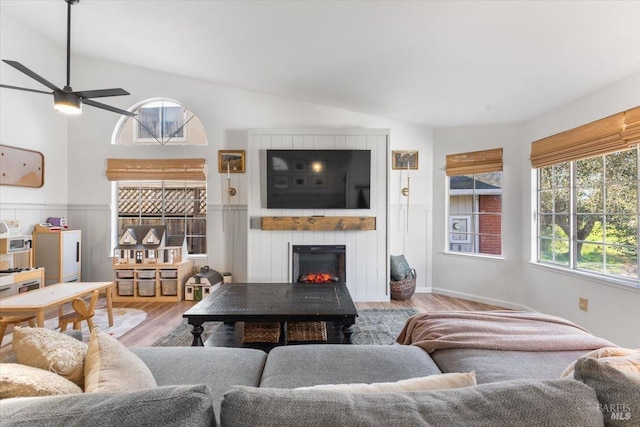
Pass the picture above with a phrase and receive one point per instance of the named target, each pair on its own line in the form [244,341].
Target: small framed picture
[280,181]
[231,161]
[319,181]
[404,159]
[299,181]
[299,166]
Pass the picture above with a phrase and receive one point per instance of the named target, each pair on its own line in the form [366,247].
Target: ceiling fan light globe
[67,103]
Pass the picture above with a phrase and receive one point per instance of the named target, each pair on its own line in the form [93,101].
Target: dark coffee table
[275,302]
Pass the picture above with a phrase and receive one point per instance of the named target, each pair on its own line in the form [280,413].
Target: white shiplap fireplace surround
[269,252]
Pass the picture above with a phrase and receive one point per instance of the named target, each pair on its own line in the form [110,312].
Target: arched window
[160,121]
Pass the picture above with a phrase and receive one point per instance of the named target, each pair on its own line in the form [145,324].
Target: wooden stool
[14,320]
[81,312]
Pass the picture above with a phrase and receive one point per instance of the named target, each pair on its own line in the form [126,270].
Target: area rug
[124,319]
[373,326]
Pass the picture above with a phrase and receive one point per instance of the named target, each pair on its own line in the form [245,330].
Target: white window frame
[473,231]
[572,267]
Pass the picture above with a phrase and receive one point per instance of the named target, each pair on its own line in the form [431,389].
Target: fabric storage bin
[146,274]
[124,274]
[125,287]
[169,287]
[168,274]
[147,288]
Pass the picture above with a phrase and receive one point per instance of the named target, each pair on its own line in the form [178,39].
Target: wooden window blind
[157,169]
[614,133]
[474,162]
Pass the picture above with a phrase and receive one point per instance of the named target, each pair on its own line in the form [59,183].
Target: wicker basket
[267,332]
[404,288]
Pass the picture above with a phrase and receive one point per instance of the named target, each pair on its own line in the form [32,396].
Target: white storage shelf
[150,282]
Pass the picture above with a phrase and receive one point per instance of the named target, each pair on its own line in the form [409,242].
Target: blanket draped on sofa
[497,330]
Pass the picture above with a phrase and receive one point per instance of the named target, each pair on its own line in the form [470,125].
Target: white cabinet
[59,253]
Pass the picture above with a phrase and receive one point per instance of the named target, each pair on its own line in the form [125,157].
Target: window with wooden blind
[475,202]
[171,192]
[587,198]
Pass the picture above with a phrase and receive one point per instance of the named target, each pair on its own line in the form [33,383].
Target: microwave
[10,245]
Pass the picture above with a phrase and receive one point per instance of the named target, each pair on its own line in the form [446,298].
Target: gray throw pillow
[399,267]
[618,394]
[519,403]
[160,406]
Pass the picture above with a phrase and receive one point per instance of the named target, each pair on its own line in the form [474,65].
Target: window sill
[474,256]
[596,278]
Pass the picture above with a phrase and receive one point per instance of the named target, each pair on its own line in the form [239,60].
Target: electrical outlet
[583,304]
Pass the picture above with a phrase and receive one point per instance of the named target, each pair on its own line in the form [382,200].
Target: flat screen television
[319,179]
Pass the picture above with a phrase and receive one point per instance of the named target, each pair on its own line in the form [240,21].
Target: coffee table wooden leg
[283,333]
[347,330]
[197,335]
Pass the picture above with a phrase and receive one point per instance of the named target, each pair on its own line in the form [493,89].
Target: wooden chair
[14,320]
[82,311]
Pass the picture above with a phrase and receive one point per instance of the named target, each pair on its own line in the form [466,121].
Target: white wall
[496,281]
[614,311]
[516,282]
[80,187]
[28,120]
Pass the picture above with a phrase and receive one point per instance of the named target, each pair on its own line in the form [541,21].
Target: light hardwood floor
[163,317]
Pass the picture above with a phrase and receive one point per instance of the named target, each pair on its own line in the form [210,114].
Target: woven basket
[404,288]
[307,331]
[268,332]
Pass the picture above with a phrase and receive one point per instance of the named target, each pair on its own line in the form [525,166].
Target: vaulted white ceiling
[435,63]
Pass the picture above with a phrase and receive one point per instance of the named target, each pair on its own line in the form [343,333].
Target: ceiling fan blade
[18,66]
[107,107]
[25,89]
[101,93]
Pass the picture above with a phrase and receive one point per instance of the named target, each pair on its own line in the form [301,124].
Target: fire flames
[317,278]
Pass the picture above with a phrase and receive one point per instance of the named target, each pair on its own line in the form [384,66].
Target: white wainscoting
[366,251]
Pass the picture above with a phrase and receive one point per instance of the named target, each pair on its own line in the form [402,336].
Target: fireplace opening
[319,263]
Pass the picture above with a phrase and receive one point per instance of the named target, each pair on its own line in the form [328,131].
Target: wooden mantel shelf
[318,223]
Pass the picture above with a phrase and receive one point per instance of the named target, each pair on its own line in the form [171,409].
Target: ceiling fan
[66,99]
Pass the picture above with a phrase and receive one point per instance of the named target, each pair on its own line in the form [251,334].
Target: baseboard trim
[484,300]
[424,290]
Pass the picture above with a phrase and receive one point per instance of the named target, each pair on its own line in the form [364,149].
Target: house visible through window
[475,202]
[475,213]
[180,205]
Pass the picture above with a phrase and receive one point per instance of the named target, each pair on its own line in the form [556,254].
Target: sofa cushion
[110,366]
[160,406]
[503,365]
[307,365]
[47,349]
[512,403]
[217,367]
[618,391]
[18,380]
[430,382]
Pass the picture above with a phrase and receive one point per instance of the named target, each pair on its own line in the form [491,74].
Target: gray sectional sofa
[247,387]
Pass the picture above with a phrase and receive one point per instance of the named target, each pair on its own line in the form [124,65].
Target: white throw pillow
[50,350]
[431,382]
[18,380]
[110,366]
